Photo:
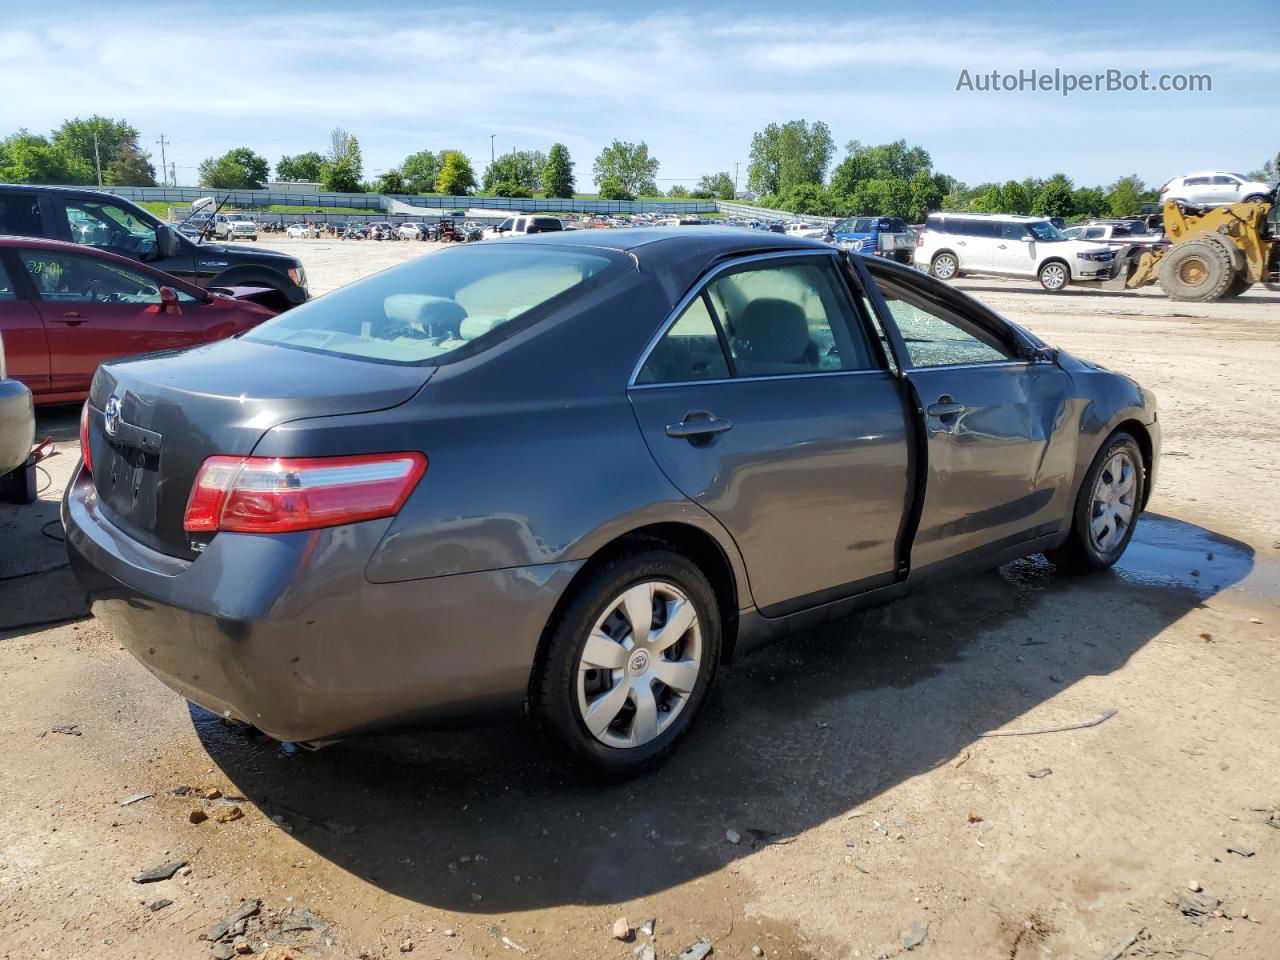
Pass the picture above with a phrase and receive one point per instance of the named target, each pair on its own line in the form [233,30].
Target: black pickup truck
[113,223]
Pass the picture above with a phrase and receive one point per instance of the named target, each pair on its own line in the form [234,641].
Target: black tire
[945,266]
[1257,198]
[1239,284]
[553,709]
[1054,275]
[1080,554]
[1200,270]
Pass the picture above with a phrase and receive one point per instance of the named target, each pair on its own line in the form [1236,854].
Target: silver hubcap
[944,267]
[1054,276]
[640,664]
[1112,511]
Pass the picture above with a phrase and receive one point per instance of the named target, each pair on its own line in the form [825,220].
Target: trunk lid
[154,419]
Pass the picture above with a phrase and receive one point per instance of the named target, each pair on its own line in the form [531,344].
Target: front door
[1015,251]
[26,351]
[95,310]
[768,404]
[999,453]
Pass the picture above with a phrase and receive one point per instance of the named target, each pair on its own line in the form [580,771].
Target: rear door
[767,403]
[1000,452]
[25,347]
[95,310]
[977,244]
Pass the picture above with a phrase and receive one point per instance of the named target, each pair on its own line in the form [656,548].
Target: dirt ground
[835,801]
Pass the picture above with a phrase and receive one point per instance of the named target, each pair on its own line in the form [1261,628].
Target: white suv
[1009,246]
[1215,189]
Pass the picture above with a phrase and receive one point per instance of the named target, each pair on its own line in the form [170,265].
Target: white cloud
[693,85]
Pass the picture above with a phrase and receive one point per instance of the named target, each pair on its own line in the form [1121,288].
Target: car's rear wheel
[627,663]
[1054,276]
[945,266]
[1106,509]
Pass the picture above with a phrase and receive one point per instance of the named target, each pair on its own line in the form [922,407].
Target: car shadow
[1082,290]
[804,731]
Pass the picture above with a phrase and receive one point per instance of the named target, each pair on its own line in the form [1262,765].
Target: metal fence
[374,201]
[763,213]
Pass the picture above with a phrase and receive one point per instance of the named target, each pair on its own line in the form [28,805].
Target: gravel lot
[836,795]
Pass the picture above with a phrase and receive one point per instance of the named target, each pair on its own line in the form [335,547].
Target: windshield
[436,305]
[1045,231]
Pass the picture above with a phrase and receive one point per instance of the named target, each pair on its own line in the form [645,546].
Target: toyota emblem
[111,416]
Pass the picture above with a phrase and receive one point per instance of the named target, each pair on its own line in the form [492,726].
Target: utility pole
[735,180]
[164,166]
[491,136]
[97,161]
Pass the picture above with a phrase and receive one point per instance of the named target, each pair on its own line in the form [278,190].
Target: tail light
[1165,188]
[277,495]
[85,453]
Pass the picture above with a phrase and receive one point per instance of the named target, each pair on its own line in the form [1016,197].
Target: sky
[693,82]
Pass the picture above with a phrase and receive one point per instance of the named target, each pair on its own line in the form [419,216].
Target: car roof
[676,256]
[1011,217]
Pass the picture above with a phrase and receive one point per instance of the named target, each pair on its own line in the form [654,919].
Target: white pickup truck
[523,226]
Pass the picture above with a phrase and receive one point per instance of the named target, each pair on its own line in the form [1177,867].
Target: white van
[952,244]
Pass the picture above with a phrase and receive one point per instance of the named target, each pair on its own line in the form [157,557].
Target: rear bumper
[17,424]
[286,633]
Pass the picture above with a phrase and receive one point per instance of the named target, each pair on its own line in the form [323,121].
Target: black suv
[113,223]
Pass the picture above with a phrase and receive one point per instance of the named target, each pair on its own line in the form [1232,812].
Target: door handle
[698,424]
[945,408]
[71,318]
[1001,246]
[960,243]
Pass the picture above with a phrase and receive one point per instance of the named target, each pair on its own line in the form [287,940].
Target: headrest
[773,329]
[438,316]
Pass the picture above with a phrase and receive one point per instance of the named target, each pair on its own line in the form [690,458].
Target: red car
[65,308]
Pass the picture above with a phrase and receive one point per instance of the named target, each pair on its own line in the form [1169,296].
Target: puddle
[1170,553]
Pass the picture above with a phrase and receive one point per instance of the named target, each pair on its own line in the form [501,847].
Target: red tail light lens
[280,495]
[85,453]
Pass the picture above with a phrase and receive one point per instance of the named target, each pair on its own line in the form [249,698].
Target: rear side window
[791,318]
[20,215]
[690,350]
[435,306]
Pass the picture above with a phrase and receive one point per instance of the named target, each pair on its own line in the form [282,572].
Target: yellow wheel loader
[1213,252]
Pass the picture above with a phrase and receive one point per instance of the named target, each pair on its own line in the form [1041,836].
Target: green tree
[630,166]
[303,167]
[1014,199]
[238,169]
[510,188]
[341,172]
[1054,198]
[888,161]
[1090,202]
[117,144]
[718,186]
[521,168]
[557,173]
[130,167]
[925,196]
[611,188]
[30,158]
[420,171]
[456,177]
[1124,197]
[786,155]
[389,181]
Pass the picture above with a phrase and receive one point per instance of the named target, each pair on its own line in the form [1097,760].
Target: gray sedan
[571,475]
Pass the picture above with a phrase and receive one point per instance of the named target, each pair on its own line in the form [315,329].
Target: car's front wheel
[627,663]
[1106,508]
[1054,276]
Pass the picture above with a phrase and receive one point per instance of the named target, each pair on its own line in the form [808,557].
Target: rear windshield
[438,304]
